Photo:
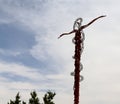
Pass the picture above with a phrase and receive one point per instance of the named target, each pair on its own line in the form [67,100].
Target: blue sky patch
[13,77]
[15,39]
[12,37]
[25,58]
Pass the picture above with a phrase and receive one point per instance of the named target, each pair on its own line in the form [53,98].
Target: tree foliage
[17,100]
[48,97]
[34,99]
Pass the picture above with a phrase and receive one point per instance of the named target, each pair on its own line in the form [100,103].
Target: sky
[32,58]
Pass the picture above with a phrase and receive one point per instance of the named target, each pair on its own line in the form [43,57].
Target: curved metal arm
[79,24]
[67,33]
[84,26]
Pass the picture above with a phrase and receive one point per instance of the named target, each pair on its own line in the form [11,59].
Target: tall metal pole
[78,41]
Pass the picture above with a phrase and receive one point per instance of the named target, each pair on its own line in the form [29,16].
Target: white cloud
[20,70]
[39,82]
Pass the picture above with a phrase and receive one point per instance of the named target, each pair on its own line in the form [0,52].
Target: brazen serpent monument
[78,41]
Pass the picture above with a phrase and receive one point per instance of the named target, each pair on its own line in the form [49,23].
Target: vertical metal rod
[78,41]
[77,57]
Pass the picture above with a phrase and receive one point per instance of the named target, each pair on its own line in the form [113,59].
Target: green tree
[48,97]
[17,100]
[34,99]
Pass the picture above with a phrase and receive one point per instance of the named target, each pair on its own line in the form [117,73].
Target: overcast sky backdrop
[32,58]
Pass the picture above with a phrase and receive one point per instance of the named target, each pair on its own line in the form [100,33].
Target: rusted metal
[78,41]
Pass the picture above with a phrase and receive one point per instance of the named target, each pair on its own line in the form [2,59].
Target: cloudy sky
[32,58]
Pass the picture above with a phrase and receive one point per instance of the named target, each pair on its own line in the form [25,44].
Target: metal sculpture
[79,45]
